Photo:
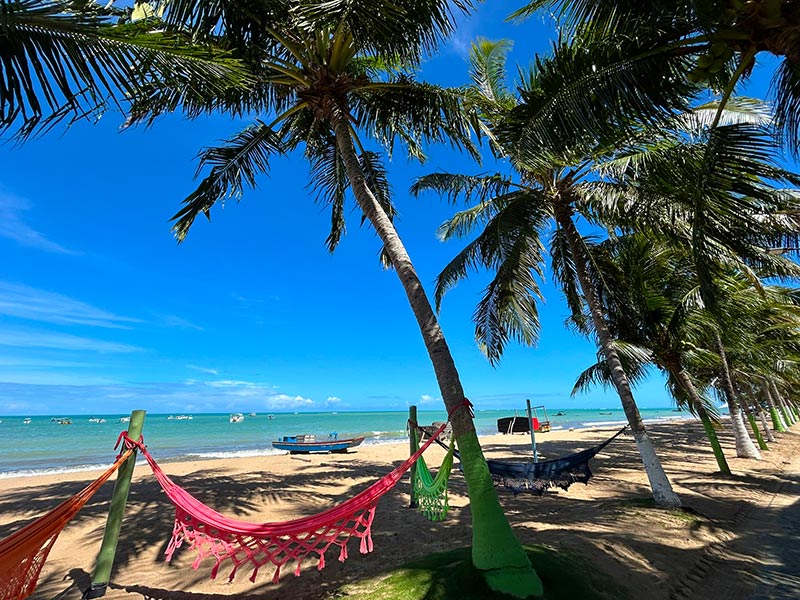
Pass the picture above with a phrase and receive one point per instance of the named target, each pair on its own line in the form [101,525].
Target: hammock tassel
[277,576]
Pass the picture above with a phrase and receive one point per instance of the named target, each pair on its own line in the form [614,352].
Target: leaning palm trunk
[780,401]
[777,423]
[751,418]
[697,402]
[495,549]
[745,448]
[659,482]
[762,414]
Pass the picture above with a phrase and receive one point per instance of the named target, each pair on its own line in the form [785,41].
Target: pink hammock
[210,533]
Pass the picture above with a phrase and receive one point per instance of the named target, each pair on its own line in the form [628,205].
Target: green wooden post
[105,558]
[413,447]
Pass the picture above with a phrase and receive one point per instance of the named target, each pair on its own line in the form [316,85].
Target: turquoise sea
[45,446]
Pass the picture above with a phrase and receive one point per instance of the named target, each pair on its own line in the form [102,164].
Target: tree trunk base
[516,582]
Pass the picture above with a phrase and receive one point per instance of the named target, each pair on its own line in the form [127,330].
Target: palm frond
[235,164]
[58,63]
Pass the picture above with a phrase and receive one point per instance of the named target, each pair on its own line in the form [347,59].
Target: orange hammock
[211,534]
[22,554]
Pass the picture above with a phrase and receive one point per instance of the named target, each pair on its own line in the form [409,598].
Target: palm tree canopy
[721,39]
[317,64]
[68,59]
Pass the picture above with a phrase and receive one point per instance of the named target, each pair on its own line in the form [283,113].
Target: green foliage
[67,60]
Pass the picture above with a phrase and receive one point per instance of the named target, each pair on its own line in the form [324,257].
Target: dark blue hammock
[538,477]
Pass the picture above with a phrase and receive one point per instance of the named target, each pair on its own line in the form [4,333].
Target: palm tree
[650,302]
[70,59]
[513,215]
[331,76]
[722,40]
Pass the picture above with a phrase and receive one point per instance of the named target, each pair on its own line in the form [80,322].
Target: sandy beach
[657,554]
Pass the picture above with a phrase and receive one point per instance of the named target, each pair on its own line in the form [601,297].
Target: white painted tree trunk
[745,448]
[762,414]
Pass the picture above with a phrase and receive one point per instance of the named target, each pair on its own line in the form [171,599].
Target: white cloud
[13,227]
[24,302]
[203,369]
[427,399]
[61,341]
[333,400]
[231,383]
[286,401]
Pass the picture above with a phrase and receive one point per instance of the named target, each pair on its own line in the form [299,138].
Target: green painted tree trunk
[496,551]
[708,426]
[777,423]
[780,401]
[660,485]
[759,439]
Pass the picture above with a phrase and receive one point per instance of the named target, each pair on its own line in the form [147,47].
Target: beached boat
[303,444]
[236,417]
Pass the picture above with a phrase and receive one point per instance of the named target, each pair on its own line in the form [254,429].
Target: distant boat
[26,421]
[96,420]
[64,421]
[236,418]
[605,413]
[252,415]
[124,419]
[183,418]
[303,444]
[270,417]
[170,418]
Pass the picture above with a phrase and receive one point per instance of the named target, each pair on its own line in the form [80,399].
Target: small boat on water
[26,421]
[303,444]
[236,417]
[64,421]
[97,420]
[183,418]
[126,419]
[252,415]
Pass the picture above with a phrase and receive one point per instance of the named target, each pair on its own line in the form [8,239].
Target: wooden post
[533,435]
[105,558]
[413,447]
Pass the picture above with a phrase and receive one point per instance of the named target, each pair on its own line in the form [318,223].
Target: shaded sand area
[735,538]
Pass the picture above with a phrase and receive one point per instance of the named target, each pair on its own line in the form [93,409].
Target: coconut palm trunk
[782,404]
[745,448]
[762,414]
[495,549]
[777,422]
[751,418]
[659,482]
[688,385]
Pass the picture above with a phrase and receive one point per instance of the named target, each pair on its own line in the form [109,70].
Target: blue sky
[102,312]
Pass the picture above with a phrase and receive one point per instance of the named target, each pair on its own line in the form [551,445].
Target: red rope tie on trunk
[466,403]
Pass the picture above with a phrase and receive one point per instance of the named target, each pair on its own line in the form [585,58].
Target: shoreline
[375,440]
